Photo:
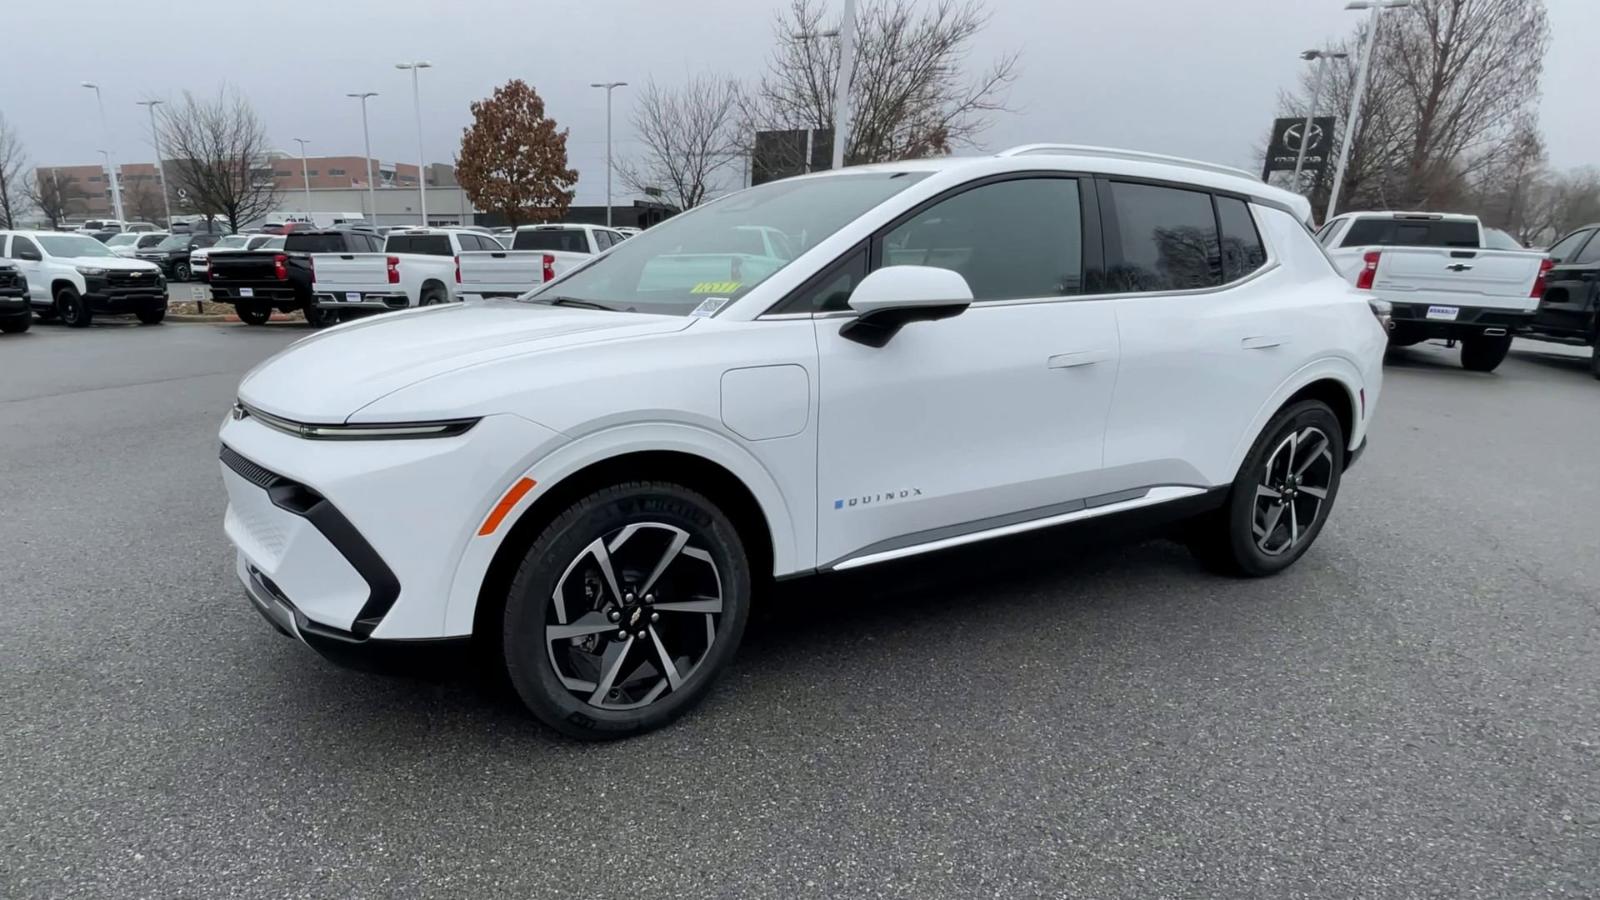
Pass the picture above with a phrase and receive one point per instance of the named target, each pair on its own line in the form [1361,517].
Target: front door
[25,253]
[1568,303]
[990,418]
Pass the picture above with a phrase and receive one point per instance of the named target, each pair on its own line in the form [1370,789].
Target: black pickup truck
[1569,310]
[257,282]
[16,314]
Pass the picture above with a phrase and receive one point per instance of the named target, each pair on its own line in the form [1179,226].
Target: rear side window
[427,244]
[1009,240]
[1565,248]
[1388,232]
[568,239]
[1590,253]
[1168,239]
[1242,250]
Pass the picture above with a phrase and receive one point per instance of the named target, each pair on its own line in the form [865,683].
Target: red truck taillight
[394,269]
[280,267]
[1545,265]
[549,267]
[1369,270]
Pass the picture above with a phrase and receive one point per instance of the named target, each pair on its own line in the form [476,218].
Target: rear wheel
[16,324]
[73,309]
[254,313]
[625,610]
[151,316]
[318,317]
[1280,498]
[433,297]
[1484,353]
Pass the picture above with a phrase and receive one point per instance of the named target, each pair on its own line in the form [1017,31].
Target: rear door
[1569,297]
[989,418]
[1207,327]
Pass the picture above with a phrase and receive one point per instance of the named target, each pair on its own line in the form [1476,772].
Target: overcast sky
[1192,77]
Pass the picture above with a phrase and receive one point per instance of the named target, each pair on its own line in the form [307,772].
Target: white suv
[591,478]
[75,276]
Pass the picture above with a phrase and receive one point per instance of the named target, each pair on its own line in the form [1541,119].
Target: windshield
[174,242]
[151,240]
[230,242]
[722,250]
[70,245]
[122,240]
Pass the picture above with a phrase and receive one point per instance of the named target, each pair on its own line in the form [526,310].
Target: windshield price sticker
[709,306]
[715,287]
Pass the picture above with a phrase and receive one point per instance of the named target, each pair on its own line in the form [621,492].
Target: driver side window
[22,248]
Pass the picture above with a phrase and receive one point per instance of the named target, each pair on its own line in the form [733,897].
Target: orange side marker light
[498,514]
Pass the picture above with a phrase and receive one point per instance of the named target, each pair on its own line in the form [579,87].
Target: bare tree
[1507,185]
[13,176]
[1452,88]
[142,198]
[217,153]
[691,139]
[56,198]
[911,93]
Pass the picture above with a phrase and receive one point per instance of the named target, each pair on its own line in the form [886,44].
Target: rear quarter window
[570,240]
[1388,232]
[427,244]
[314,243]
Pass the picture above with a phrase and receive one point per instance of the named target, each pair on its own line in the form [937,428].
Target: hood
[327,377]
[117,264]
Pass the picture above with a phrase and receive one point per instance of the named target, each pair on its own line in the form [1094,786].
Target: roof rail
[1134,155]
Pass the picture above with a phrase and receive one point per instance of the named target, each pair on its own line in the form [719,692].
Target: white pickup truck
[418,267]
[538,253]
[1440,279]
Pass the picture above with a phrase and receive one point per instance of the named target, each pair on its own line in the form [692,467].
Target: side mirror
[893,297]
[30,255]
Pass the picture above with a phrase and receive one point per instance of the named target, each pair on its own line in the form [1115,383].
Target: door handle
[1077,358]
[1263,342]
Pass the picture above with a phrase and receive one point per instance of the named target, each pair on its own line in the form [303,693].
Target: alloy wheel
[1293,487]
[633,616]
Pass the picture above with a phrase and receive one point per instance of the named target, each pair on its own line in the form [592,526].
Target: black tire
[433,297]
[151,316]
[180,271]
[317,317]
[16,324]
[253,313]
[1482,353]
[1594,359]
[72,308]
[1226,539]
[47,314]
[559,559]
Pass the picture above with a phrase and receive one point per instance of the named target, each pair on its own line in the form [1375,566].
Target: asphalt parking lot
[1413,710]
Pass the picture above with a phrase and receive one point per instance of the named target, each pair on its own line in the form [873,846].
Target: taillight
[458,270]
[549,267]
[394,269]
[311,267]
[1545,265]
[280,267]
[1369,270]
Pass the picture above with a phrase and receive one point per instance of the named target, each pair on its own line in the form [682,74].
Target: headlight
[91,270]
[384,431]
[1384,310]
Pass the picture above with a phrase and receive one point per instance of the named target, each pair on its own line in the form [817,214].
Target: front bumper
[15,306]
[125,293]
[369,300]
[364,539]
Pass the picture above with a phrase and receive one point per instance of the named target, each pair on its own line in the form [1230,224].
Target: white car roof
[1411,214]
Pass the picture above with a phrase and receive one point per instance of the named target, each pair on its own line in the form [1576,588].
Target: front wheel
[1280,498]
[73,309]
[1484,353]
[253,313]
[151,316]
[180,272]
[625,609]
[16,324]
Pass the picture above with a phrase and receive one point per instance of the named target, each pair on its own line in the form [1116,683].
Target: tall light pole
[416,102]
[366,163]
[111,164]
[1377,7]
[1321,57]
[161,167]
[609,87]
[841,87]
[305,174]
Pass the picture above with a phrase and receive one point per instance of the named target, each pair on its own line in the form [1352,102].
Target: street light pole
[305,174]
[161,167]
[416,102]
[366,163]
[609,86]
[841,87]
[1321,57]
[1377,7]
[111,164]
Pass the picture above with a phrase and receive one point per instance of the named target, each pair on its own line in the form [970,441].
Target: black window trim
[1089,184]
